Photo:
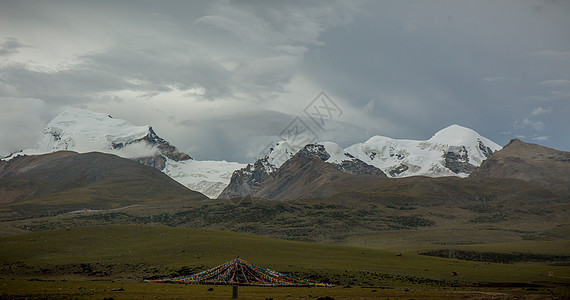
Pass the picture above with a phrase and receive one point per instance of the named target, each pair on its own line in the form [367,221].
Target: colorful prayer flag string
[240,272]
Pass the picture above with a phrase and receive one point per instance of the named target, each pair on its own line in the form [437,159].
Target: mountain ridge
[452,151]
[248,179]
[84,131]
[308,174]
[64,181]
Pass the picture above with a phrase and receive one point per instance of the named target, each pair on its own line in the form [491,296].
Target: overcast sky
[223,79]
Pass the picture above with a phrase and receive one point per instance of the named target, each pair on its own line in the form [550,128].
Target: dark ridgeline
[64,181]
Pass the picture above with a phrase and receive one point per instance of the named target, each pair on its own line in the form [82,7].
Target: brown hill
[250,180]
[543,166]
[304,177]
[64,181]
[309,177]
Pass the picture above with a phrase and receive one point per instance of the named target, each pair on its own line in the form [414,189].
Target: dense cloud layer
[223,79]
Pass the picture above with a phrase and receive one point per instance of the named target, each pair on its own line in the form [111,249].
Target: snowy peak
[477,147]
[337,154]
[452,151]
[165,147]
[283,151]
[481,147]
[454,134]
[84,131]
[248,180]
[333,154]
[278,155]
[328,152]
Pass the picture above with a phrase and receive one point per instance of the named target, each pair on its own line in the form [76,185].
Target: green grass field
[173,248]
[135,290]
[103,258]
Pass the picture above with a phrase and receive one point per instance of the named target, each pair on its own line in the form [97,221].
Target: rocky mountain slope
[453,151]
[522,171]
[281,160]
[309,174]
[85,131]
[544,166]
[64,181]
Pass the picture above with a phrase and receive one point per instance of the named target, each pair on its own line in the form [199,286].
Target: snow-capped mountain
[283,151]
[453,151]
[246,180]
[333,154]
[82,130]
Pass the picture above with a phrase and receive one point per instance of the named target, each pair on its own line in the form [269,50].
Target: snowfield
[83,131]
[209,177]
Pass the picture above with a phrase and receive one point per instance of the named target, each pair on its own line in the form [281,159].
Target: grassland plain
[107,289]
[365,244]
[356,222]
[89,262]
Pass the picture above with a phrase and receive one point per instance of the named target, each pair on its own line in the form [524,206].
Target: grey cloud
[272,39]
[10,46]
[496,79]
[242,136]
[18,132]
[281,22]
[540,111]
[63,87]
[125,69]
[162,67]
[563,55]
[540,138]
[426,65]
[553,90]
[556,83]
[428,78]
[265,78]
[237,136]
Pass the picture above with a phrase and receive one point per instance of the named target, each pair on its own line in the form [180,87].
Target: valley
[484,221]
